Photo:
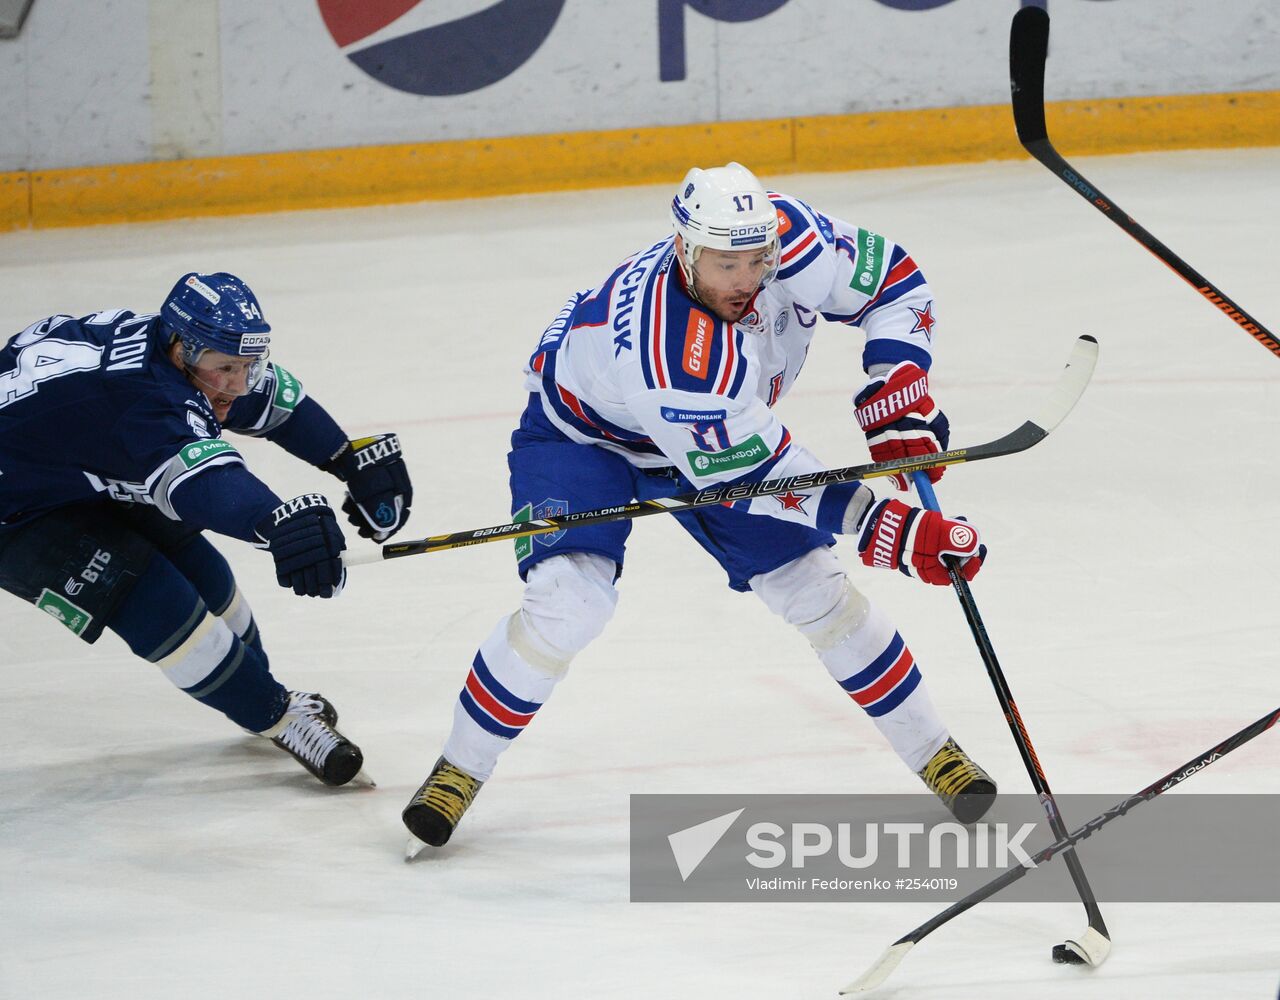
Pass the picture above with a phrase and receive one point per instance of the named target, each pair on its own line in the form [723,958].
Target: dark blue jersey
[94,407]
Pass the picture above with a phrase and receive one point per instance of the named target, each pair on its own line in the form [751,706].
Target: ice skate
[964,788]
[309,736]
[437,807]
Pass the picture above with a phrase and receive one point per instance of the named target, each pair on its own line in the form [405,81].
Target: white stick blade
[1091,946]
[881,971]
[1070,386]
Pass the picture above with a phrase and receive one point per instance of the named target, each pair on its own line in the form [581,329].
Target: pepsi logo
[443,60]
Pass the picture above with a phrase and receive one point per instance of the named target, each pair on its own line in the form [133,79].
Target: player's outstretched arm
[379,493]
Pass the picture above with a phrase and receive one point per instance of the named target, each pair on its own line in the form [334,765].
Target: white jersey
[637,366]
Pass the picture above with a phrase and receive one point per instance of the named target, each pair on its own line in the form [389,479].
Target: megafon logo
[447,59]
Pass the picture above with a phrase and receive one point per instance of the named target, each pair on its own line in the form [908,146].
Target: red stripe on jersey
[904,269]
[539,361]
[730,358]
[783,445]
[494,707]
[889,680]
[575,404]
[800,247]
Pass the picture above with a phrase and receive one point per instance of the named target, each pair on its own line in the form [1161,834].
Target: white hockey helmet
[723,208]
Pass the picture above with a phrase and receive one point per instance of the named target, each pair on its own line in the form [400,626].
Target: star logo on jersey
[924,320]
[792,501]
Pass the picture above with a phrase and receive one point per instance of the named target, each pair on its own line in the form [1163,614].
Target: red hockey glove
[913,541]
[900,418]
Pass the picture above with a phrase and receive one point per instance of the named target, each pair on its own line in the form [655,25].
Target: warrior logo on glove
[378,490]
[900,418]
[919,543]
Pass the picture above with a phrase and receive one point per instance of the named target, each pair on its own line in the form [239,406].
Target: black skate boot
[307,733]
[434,812]
[964,788]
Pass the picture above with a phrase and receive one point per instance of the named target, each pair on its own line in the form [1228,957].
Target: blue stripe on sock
[484,720]
[878,666]
[499,692]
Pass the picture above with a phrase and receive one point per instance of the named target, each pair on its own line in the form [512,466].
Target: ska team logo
[548,508]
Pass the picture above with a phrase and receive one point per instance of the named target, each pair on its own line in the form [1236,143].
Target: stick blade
[1071,384]
[881,970]
[1028,50]
[1090,948]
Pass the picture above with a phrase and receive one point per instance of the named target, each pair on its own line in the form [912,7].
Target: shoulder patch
[202,451]
[288,390]
[869,266]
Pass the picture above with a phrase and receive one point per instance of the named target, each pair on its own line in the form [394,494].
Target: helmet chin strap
[686,268]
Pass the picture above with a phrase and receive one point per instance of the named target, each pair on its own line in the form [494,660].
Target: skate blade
[414,847]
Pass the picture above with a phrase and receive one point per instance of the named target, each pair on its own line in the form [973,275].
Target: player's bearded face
[726,280]
[223,378]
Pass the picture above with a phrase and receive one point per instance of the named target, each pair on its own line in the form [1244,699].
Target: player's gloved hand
[378,490]
[900,418]
[303,537]
[913,541]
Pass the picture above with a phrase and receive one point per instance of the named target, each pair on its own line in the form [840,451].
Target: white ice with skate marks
[150,849]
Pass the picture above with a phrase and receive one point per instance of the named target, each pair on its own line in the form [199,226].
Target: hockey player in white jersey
[661,380]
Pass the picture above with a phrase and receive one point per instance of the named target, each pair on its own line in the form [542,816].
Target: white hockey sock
[875,667]
[502,694]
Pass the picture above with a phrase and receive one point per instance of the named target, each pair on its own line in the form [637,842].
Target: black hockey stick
[1028,49]
[1094,945]
[1057,405]
[887,962]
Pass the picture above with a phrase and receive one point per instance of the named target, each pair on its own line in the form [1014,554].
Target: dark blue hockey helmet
[216,312]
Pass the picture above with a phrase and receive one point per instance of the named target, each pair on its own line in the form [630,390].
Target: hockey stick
[1028,49]
[1071,383]
[1094,945]
[887,962]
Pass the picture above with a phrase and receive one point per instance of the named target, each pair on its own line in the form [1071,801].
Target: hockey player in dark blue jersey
[112,464]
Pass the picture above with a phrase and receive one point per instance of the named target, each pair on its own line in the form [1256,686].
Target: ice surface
[148,849]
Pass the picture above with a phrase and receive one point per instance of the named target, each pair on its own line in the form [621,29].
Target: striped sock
[501,695]
[876,669]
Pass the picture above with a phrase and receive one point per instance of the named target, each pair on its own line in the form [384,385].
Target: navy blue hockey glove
[900,418]
[303,536]
[378,490]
